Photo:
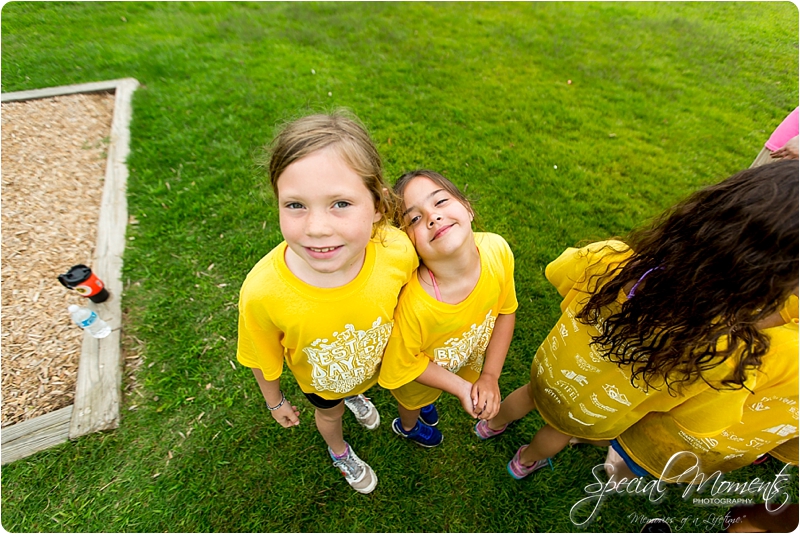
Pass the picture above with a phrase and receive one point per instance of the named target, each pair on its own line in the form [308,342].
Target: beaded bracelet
[283,399]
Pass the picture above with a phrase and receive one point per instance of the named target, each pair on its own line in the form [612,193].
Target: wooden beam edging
[34,435]
[94,87]
[97,393]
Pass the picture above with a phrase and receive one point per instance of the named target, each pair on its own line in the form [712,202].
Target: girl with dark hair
[658,318]
[455,318]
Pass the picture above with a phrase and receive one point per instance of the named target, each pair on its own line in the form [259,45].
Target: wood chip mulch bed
[53,167]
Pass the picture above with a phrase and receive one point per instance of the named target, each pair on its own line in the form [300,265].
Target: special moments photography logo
[693,481]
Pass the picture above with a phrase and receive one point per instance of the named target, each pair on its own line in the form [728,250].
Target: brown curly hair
[719,262]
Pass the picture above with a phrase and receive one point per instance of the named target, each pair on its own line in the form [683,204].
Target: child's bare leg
[616,468]
[545,444]
[408,418]
[329,425]
[515,406]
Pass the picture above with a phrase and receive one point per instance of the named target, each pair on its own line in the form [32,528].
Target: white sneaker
[356,471]
[364,410]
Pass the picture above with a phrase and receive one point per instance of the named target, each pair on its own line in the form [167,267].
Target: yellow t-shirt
[331,338]
[581,394]
[769,418]
[454,336]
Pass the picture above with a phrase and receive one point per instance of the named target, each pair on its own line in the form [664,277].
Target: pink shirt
[787,129]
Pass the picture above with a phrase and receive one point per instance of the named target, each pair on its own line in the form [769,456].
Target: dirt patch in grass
[53,166]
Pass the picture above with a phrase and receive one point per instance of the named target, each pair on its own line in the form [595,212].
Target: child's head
[342,133]
[326,175]
[443,183]
[720,261]
[429,206]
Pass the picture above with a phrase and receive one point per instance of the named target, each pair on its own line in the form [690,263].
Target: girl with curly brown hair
[654,320]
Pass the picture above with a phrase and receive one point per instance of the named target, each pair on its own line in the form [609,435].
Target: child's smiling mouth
[322,253]
[441,231]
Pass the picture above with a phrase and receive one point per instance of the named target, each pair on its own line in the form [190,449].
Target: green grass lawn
[664,98]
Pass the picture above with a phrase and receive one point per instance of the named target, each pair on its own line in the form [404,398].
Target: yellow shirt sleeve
[508,298]
[259,344]
[572,272]
[565,271]
[254,342]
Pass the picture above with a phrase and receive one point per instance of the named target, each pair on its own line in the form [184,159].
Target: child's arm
[287,415]
[485,392]
[440,378]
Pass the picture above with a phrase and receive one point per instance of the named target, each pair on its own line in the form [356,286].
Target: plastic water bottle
[89,321]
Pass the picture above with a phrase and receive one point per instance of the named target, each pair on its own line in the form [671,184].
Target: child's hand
[287,415]
[788,151]
[485,397]
[464,395]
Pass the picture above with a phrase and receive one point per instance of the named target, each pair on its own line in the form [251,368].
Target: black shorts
[319,402]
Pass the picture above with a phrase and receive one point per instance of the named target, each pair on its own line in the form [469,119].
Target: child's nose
[317,224]
[434,219]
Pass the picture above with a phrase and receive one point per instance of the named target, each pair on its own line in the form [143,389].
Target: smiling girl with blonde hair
[323,299]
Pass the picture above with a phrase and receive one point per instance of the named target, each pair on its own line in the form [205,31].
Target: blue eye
[342,204]
[294,206]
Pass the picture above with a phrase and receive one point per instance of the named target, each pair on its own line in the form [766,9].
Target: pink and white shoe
[519,471]
[484,432]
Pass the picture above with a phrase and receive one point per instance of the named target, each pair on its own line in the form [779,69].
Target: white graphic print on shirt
[350,359]
[613,393]
[584,365]
[759,407]
[600,405]
[704,444]
[467,349]
[575,327]
[782,430]
[580,379]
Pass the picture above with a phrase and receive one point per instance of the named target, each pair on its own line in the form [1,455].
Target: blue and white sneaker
[429,415]
[421,434]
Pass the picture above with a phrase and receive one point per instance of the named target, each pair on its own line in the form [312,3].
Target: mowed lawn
[565,122]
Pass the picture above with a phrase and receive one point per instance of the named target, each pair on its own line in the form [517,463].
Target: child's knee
[331,414]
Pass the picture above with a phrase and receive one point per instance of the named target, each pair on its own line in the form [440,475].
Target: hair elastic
[632,292]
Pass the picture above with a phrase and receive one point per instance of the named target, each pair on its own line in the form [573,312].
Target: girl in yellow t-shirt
[323,300]
[653,321]
[455,318]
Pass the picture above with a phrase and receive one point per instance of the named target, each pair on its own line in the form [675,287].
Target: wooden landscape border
[97,392]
